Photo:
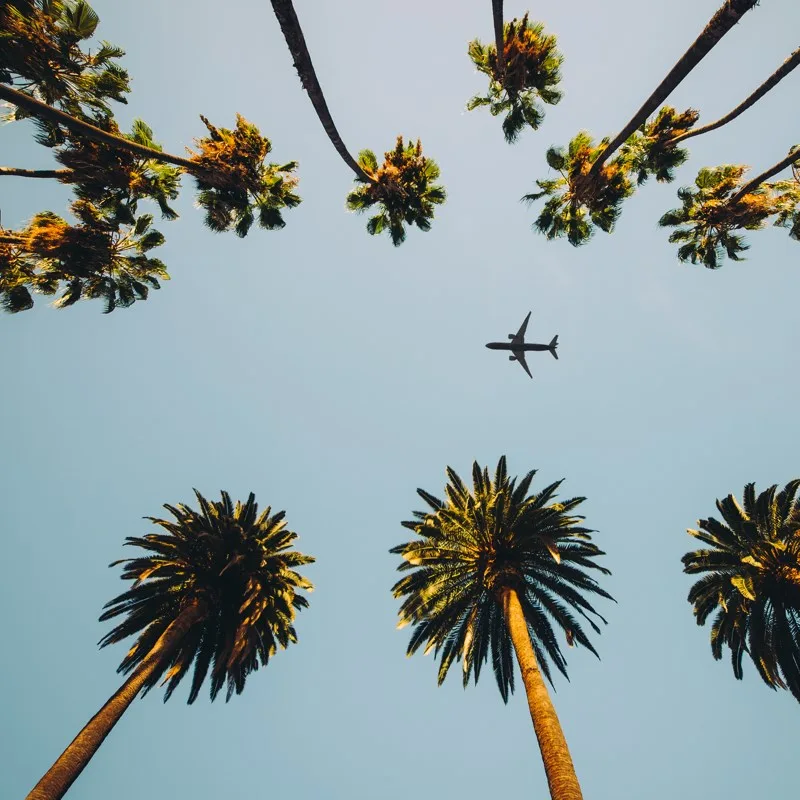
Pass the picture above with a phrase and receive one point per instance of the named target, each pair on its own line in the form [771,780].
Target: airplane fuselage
[512,346]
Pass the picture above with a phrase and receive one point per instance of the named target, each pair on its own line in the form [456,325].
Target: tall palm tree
[709,216]
[494,568]
[570,211]
[236,186]
[401,187]
[527,71]
[217,589]
[751,579]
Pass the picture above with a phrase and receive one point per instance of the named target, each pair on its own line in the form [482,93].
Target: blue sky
[332,374]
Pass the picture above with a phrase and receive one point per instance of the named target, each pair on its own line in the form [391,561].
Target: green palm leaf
[476,544]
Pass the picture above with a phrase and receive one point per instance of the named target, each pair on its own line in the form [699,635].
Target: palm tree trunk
[499,38]
[70,763]
[293,33]
[722,21]
[770,83]
[81,128]
[35,173]
[558,766]
[792,159]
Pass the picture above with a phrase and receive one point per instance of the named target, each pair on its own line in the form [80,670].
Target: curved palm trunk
[70,763]
[35,173]
[46,112]
[722,21]
[499,38]
[293,33]
[558,766]
[770,83]
[793,159]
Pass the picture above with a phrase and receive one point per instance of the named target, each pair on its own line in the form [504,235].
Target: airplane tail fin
[553,344]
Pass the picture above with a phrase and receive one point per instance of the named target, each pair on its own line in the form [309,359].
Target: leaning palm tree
[217,589]
[495,568]
[707,221]
[751,579]
[527,71]
[401,187]
[236,185]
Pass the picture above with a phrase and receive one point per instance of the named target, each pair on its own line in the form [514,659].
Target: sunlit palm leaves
[752,582]
[238,564]
[477,543]
[651,151]
[402,187]
[40,54]
[575,205]
[532,74]
[97,258]
[706,221]
[116,179]
[237,188]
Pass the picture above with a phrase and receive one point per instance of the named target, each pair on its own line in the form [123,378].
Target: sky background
[332,374]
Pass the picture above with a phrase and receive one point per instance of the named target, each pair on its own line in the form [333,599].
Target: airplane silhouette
[518,347]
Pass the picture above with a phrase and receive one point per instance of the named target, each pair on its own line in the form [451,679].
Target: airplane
[518,347]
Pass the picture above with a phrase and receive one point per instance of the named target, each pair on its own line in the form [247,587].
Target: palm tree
[528,70]
[41,54]
[706,221]
[751,579]
[236,185]
[494,568]
[653,150]
[217,588]
[101,257]
[401,187]
[109,176]
[571,210]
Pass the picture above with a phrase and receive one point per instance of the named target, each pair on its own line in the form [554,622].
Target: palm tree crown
[235,183]
[576,205]
[706,222]
[752,580]
[233,561]
[651,150]
[475,545]
[402,187]
[532,72]
[101,257]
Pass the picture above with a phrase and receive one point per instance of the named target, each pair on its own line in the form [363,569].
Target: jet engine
[512,358]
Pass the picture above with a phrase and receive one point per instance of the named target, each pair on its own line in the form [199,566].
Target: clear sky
[332,374]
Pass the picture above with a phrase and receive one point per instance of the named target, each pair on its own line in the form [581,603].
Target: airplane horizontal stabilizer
[553,344]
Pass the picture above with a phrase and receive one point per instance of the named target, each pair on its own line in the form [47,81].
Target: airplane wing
[520,335]
[519,355]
